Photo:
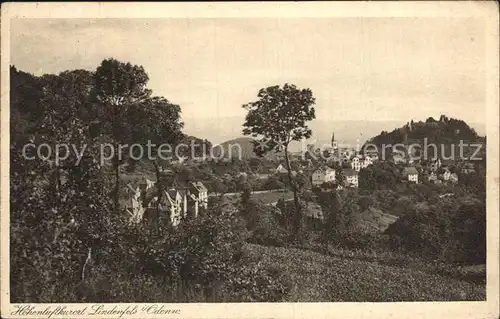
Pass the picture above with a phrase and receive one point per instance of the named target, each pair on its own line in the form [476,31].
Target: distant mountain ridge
[238,148]
[351,132]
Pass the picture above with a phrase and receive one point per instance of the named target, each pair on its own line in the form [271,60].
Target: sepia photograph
[155,163]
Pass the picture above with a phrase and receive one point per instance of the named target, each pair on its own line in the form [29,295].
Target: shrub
[449,231]
[361,240]
[266,230]
[258,283]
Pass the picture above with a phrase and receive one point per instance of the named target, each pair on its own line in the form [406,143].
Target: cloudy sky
[380,69]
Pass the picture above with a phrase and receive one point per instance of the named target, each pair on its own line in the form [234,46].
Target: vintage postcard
[250,160]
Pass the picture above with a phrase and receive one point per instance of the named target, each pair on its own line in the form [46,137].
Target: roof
[128,190]
[281,169]
[169,197]
[468,165]
[313,210]
[192,198]
[410,171]
[172,193]
[199,186]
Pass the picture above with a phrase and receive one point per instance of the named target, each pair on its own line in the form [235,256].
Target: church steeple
[334,143]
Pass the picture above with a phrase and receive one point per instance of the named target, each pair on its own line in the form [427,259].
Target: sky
[376,69]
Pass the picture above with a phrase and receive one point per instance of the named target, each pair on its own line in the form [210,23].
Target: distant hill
[233,148]
[444,133]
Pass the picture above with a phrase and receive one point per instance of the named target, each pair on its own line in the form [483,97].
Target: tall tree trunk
[117,182]
[116,136]
[58,186]
[297,215]
[86,263]
[160,195]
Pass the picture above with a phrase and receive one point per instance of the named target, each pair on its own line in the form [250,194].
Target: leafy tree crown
[279,116]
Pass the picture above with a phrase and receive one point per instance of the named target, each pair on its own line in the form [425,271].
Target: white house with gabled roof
[411,174]
[351,178]
[323,175]
[356,164]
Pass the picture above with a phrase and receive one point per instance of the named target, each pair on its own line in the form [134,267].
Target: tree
[276,118]
[255,164]
[157,122]
[340,176]
[246,194]
[70,214]
[273,182]
[331,207]
[379,175]
[118,86]
[365,202]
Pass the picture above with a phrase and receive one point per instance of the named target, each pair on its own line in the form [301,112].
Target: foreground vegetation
[316,277]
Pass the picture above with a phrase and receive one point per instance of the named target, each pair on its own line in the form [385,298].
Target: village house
[435,165]
[132,203]
[242,176]
[453,178]
[446,175]
[172,204]
[281,170]
[467,168]
[356,164]
[131,198]
[366,162]
[351,177]
[432,177]
[313,215]
[141,202]
[411,174]
[200,193]
[323,175]
[398,159]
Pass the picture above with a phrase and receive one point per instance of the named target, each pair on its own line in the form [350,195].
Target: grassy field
[315,277]
[376,220]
